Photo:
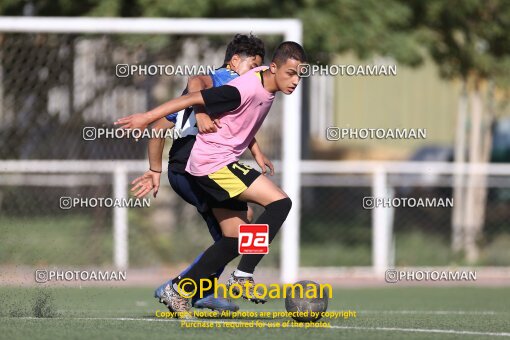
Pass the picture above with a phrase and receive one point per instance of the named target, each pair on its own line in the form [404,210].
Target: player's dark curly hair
[245,46]
[289,50]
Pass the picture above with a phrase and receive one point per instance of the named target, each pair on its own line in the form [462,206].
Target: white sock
[240,273]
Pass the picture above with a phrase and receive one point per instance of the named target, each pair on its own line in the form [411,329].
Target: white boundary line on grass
[389,329]
[424,330]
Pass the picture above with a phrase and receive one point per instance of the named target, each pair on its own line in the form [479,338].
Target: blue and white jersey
[186,124]
[184,120]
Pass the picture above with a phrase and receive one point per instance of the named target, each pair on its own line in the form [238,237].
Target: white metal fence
[426,174]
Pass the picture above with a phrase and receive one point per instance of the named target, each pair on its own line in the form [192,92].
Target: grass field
[71,240]
[382,313]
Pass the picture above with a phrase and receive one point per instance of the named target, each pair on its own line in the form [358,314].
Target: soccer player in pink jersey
[242,105]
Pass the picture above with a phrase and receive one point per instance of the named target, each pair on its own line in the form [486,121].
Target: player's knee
[282,206]
[249,214]
[285,204]
[231,233]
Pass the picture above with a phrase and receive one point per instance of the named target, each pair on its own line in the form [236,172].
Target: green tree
[469,41]
[366,27]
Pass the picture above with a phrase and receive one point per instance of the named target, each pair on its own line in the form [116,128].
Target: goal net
[63,82]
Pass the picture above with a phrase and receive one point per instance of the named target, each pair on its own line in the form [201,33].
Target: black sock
[274,215]
[216,256]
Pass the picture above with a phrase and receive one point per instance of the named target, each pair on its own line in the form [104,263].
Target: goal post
[290,29]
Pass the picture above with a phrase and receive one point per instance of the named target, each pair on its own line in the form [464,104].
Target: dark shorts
[226,183]
[188,189]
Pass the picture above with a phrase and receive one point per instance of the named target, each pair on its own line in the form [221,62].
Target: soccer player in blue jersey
[243,53]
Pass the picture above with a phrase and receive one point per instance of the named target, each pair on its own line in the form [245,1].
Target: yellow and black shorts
[226,183]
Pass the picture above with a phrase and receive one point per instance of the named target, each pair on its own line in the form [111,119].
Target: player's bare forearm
[254,146]
[195,84]
[204,123]
[150,180]
[175,105]
[156,145]
[198,83]
[142,120]
[260,158]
